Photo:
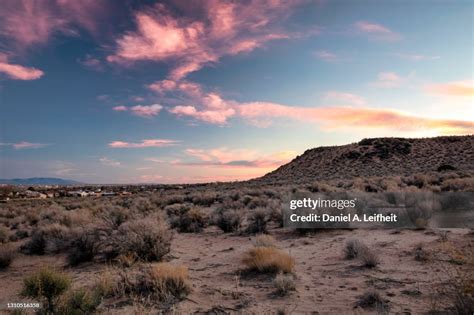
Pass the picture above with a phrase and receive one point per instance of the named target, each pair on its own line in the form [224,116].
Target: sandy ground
[326,282]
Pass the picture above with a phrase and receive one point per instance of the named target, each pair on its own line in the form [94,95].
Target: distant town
[14,192]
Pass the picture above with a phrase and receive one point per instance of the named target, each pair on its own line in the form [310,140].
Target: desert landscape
[220,248]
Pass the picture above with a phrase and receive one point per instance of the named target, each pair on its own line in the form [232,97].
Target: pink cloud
[145,111]
[325,55]
[356,117]
[18,72]
[202,35]
[416,57]
[457,88]
[109,162]
[376,31]
[28,145]
[91,62]
[30,22]
[388,80]
[120,108]
[345,98]
[146,143]
[211,107]
[236,158]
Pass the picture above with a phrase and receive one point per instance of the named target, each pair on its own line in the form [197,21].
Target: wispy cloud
[91,62]
[109,162]
[387,80]
[25,145]
[416,57]
[204,34]
[18,72]
[456,88]
[28,22]
[344,98]
[146,143]
[326,55]
[28,145]
[145,111]
[211,107]
[376,31]
[236,158]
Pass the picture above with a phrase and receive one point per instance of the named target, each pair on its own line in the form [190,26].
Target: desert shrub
[46,285]
[206,199]
[257,221]
[276,213]
[353,248]
[148,239]
[268,260]
[3,234]
[51,238]
[19,235]
[265,240]
[368,258]
[458,184]
[79,302]
[228,220]
[192,221]
[171,199]
[7,254]
[163,282]
[142,205]
[115,216]
[83,246]
[371,299]
[105,285]
[284,283]
[256,202]
[177,209]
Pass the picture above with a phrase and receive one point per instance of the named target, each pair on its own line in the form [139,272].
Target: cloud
[416,57]
[355,117]
[26,145]
[456,88]
[235,158]
[91,63]
[109,162]
[202,35]
[387,80]
[326,55]
[344,98]
[18,72]
[25,23]
[146,143]
[145,111]
[376,31]
[211,107]
[120,108]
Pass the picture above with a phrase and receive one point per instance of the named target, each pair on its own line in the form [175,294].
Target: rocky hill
[379,157]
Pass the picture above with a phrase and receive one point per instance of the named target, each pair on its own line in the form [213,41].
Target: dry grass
[268,260]
[7,255]
[368,258]
[284,284]
[372,299]
[353,248]
[162,282]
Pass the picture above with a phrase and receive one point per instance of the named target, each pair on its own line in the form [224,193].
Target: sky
[104,91]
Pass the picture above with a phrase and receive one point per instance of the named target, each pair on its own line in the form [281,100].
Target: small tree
[47,285]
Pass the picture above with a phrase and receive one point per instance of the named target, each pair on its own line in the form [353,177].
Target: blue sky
[130,92]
